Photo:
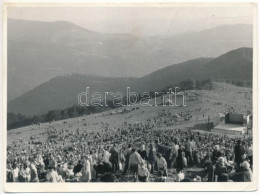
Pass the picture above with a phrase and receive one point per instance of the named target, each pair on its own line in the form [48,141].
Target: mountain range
[39,51]
[62,91]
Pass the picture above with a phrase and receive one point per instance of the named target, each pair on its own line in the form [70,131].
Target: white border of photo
[123,187]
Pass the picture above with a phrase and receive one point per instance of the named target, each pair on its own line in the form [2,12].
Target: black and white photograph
[140,93]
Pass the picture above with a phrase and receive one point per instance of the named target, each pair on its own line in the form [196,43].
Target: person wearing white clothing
[162,165]
[53,176]
[106,156]
[86,170]
[39,160]
[180,175]
[143,173]
[26,173]
[15,172]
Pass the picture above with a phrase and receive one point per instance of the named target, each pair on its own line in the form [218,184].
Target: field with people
[199,104]
[134,127]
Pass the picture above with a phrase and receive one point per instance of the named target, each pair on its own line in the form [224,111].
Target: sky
[140,20]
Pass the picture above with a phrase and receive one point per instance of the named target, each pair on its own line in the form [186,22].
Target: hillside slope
[62,92]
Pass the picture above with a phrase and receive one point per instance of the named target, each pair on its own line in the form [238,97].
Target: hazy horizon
[180,33]
[120,20]
[159,37]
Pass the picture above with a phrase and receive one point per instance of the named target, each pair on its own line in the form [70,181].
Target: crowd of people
[134,152]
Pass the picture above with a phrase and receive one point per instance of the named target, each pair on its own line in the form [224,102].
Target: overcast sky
[140,20]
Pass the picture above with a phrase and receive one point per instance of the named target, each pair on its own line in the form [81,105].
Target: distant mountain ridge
[62,91]
[39,51]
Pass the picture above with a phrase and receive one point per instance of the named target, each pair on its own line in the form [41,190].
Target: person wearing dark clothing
[160,149]
[180,160]
[196,158]
[9,174]
[108,177]
[210,168]
[114,158]
[221,171]
[151,157]
[128,153]
[143,153]
[215,155]
[77,168]
[103,168]
[46,162]
[244,175]
[168,152]
[239,151]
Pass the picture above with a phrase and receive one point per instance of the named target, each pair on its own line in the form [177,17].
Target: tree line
[19,120]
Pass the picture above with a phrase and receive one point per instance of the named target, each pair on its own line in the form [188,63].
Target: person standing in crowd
[162,165]
[167,154]
[174,153]
[209,169]
[34,173]
[143,152]
[15,172]
[41,171]
[151,157]
[239,151]
[46,160]
[127,156]
[188,152]
[221,172]
[86,170]
[9,173]
[106,155]
[246,172]
[215,155]
[25,173]
[180,161]
[101,151]
[134,161]
[39,160]
[114,158]
[250,154]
